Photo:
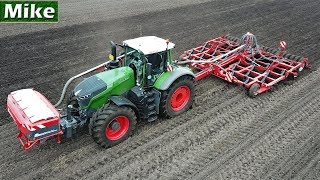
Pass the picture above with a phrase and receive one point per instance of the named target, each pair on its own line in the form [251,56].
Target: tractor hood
[90,87]
[101,82]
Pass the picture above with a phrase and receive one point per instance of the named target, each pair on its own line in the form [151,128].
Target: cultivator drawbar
[244,62]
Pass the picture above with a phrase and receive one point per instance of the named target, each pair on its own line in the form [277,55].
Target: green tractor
[142,83]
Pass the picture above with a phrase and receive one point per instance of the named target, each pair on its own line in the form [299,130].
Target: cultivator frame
[243,62]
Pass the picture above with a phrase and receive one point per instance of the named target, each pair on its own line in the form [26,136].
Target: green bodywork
[167,78]
[93,92]
[116,82]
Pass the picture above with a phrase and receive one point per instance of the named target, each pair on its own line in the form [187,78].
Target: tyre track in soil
[251,164]
[128,161]
[87,172]
[137,142]
[206,173]
[176,147]
[298,161]
[311,170]
[87,147]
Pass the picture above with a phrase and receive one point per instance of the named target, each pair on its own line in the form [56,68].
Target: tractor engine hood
[89,88]
[96,84]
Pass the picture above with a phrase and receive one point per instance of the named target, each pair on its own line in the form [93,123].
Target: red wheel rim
[180,98]
[122,123]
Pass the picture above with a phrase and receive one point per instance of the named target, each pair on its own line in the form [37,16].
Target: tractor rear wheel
[178,98]
[112,124]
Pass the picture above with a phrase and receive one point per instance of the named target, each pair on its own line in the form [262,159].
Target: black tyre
[178,98]
[252,92]
[112,124]
[289,80]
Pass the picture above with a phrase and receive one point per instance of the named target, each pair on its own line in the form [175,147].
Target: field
[226,135]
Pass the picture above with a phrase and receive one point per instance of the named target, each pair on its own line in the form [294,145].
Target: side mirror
[113,54]
[282,45]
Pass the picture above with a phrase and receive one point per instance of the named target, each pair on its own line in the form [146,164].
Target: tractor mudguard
[167,78]
[122,101]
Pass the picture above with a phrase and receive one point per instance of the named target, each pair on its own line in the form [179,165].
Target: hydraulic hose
[75,77]
[81,74]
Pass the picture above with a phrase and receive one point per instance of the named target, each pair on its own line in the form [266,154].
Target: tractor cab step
[147,102]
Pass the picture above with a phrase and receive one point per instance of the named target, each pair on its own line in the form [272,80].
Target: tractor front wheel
[178,98]
[111,125]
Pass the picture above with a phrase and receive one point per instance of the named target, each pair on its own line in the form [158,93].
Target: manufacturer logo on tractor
[28,11]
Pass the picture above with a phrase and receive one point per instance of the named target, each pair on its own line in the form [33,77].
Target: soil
[226,135]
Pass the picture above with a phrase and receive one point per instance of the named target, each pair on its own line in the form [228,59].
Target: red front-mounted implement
[244,62]
[35,117]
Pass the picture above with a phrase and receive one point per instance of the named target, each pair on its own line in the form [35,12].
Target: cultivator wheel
[178,98]
[112,124]
[253,90]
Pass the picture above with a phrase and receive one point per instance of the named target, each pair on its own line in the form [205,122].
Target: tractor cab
[149,56]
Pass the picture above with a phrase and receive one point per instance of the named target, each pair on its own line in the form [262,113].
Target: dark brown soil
[226,135]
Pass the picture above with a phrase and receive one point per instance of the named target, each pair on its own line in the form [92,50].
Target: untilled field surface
[225,136]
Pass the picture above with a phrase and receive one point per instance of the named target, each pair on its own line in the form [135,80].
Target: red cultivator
[244,62]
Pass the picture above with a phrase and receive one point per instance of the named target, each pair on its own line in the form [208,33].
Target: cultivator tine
[265,76]
[189,55]
[204,46]
[250,70]
[247,80]
[234,67]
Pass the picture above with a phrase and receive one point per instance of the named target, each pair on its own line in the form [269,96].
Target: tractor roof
[148,44]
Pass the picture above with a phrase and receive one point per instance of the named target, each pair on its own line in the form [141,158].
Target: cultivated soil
[226,135]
